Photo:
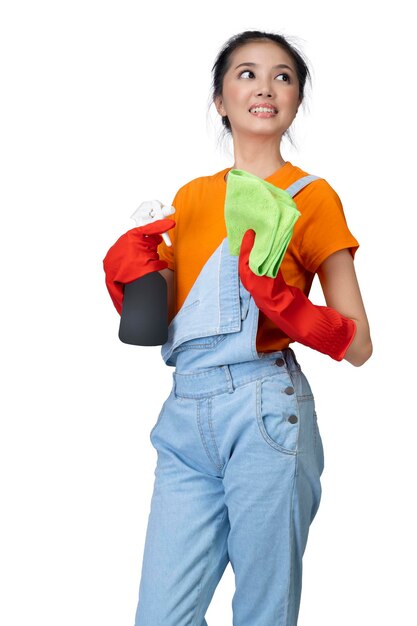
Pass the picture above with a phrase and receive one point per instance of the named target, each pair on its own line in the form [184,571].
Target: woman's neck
[262,163]
[258,170]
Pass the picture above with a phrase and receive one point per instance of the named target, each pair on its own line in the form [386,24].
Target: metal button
[280,362]
[289,391]
[293,419]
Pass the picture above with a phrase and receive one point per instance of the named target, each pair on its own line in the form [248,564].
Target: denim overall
[239,463]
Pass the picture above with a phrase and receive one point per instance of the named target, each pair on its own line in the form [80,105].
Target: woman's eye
[287,77]
[245,71]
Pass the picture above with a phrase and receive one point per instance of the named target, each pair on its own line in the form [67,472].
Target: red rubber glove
[132,256]
[319,327]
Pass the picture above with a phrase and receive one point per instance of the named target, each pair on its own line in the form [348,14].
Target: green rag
[253,203]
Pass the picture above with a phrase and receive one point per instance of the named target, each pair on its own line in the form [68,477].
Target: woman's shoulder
[205,181]
[201,189]
[318,187]
[318,195]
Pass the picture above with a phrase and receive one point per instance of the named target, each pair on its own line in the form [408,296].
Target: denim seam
[202,374]
[291,535]
[218,292]
[215,340]
[203,439]
[235,303]
[168,351]
[229,378]
[210,423]
[245,381]
[297,399]
[209,394]
[189,306]
[255,323]
[306,397]
[202,396]
[207,344]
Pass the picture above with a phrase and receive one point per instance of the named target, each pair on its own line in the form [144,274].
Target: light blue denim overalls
[239,463]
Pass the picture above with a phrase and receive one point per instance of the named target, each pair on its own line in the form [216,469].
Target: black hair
[222,65]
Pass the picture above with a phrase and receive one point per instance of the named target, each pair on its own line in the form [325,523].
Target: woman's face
[252,79]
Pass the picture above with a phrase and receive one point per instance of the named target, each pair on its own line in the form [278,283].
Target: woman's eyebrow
[273,67]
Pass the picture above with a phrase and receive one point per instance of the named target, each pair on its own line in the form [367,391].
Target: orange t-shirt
[200,228]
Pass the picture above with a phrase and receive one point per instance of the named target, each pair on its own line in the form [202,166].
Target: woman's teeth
[262,110]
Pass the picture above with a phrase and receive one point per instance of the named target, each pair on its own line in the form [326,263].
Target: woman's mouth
[263,111]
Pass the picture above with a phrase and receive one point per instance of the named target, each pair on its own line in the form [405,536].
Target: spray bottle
[144,317]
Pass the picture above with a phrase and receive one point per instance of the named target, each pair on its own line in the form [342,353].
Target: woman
[239,449]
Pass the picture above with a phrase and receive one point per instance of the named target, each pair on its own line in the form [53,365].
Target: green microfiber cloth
[252,202]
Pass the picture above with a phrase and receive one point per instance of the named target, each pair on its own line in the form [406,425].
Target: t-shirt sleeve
[324,227]
[167,253]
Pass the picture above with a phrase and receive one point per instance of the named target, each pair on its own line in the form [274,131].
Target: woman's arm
[341,291]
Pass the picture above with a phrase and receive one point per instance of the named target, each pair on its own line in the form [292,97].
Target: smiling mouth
[263,112]
[262,109]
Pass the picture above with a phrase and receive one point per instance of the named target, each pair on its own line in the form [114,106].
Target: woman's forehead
[260,52]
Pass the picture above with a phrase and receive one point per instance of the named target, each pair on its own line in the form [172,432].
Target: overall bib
[239,463]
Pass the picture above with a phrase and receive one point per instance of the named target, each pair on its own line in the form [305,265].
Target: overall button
[289,391]
[280,362]
[293,419]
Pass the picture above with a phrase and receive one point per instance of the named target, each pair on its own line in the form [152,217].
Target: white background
[104,105]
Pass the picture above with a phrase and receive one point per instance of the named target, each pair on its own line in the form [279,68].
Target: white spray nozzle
[151,211]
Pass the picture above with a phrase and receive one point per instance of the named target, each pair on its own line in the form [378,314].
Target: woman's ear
[218,103]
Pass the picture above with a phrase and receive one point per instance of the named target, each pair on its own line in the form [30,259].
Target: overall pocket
[277,412]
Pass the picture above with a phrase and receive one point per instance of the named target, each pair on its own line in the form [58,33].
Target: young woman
[239,449]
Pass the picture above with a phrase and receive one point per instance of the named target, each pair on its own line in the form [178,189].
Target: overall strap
[300,184]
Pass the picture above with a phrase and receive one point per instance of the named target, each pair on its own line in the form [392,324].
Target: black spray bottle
[144,317]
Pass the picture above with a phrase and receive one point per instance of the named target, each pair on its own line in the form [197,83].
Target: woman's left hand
[322,328]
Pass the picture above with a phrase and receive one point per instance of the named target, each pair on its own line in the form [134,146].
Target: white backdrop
[103,106]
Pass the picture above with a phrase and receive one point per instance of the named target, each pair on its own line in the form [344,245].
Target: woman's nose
[264,88]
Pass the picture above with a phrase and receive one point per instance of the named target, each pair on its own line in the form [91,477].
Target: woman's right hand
[133,255]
